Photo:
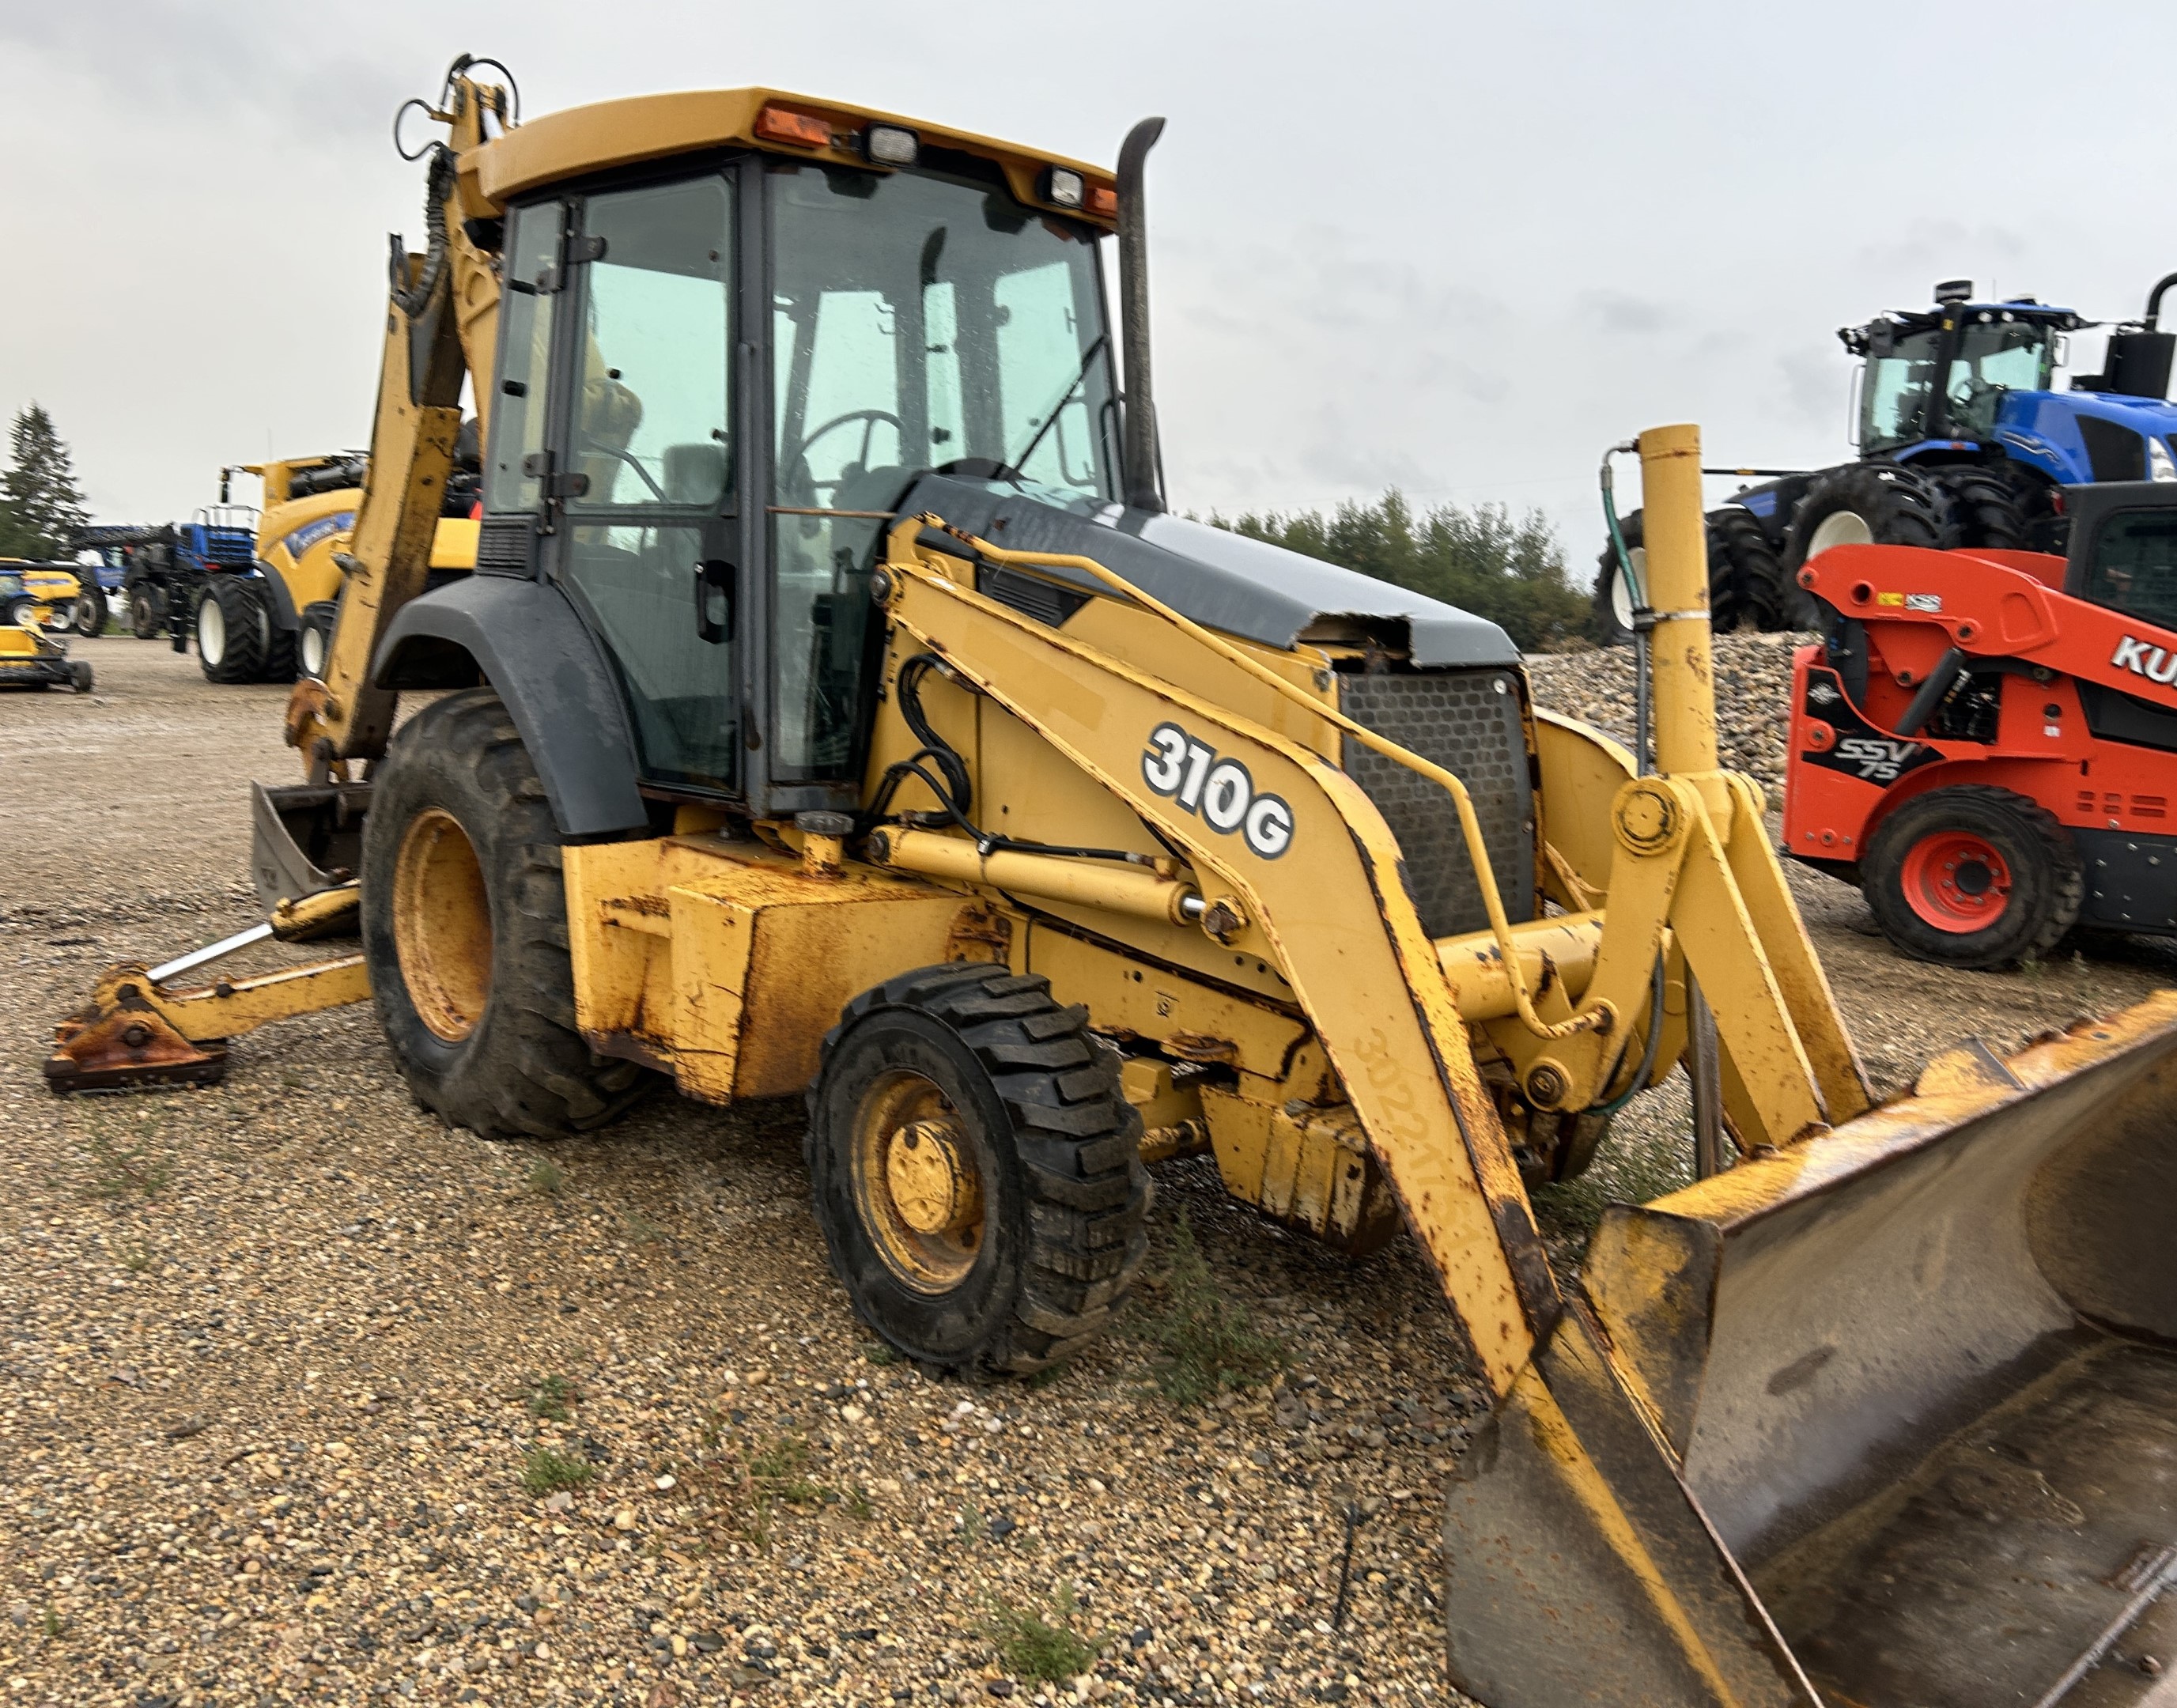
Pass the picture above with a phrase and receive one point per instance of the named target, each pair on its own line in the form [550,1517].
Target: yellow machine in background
[275,621]
[837,709]
[55,592]
[31,655]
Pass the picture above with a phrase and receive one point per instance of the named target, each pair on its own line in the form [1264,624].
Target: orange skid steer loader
[836,708]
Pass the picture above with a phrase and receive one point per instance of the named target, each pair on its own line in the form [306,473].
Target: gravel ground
[1753,691]
[276,1357]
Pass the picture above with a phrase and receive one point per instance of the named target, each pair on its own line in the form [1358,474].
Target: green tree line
[41,507]
[1511,570]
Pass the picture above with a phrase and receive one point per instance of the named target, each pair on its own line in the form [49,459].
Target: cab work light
[889,144]
[799,129]
[1063,187]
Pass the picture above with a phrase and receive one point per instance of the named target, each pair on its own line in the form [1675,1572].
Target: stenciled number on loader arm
[1218,791]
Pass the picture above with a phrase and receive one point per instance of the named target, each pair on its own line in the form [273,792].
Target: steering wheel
[869,417]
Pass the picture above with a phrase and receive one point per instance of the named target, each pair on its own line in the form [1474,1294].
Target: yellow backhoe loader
[836,708]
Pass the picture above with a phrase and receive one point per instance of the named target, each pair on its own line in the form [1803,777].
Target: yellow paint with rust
[725,963]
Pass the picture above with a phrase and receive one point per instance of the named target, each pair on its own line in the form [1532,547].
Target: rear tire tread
[539,1079]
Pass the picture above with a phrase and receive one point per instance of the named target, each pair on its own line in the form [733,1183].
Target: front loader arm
[1329,908]
[1587,1520]
[440,321]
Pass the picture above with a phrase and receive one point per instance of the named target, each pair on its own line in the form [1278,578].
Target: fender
[525,639]
[281,603]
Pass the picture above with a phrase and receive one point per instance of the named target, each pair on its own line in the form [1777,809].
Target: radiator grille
[1471,722]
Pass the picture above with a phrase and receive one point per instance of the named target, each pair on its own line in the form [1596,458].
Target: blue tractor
[1963,441]
[160,571]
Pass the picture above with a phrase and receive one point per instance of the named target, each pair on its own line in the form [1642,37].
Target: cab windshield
[1993,358]
[919,321]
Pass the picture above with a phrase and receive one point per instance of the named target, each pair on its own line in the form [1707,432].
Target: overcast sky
[1451,247]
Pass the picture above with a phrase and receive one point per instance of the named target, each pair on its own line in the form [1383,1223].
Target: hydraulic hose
[1598,1017]
[410,299]
[1637,587]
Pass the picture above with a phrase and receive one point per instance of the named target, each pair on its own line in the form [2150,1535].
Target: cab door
[632,463]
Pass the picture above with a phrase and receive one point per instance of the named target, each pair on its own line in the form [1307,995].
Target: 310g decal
[1218,791]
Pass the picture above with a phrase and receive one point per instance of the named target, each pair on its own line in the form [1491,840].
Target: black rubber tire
[1747,588]
[523,1070]
[91,610]
[80,677]
[2038,499]
[316,637]
[1744,581]
[1039,1097]
[2048,886]
[1988,508]
[1603,625]
[16,610]
[147,615]
[1900,507]
[279,643]
[236,650]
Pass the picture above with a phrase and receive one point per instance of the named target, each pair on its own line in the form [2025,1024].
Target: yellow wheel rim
[442,924]
[918,1186]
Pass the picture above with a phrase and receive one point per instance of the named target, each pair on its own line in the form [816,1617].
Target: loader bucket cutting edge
[1889,1420]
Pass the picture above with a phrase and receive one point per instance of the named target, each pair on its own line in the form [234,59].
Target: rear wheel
[1987,507]
[147,615]
[464,931]
[1865,504]
[1745,581]
[230,636]
[17,612]
[1746,584]
[1972,876]
[977,1172]
[1610,619]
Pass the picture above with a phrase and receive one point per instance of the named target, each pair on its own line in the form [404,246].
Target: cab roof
[580,140]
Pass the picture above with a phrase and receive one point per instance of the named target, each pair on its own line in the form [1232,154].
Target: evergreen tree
[41,506]
[1512,572]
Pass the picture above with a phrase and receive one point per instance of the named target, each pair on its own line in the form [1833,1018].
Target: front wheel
[464,931]
[314,644]
[147,615]
[976,1171]
[1972,876]
[89,618]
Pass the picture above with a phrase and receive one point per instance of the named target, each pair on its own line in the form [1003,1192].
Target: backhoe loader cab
[836,711]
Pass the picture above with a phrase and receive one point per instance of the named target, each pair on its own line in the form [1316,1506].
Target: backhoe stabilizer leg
[134,1032]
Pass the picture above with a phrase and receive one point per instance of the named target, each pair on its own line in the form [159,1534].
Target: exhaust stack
[1145,461]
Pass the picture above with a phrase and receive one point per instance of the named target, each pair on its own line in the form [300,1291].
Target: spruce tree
[41,506]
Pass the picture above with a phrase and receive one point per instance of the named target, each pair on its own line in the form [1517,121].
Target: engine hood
[1240,586]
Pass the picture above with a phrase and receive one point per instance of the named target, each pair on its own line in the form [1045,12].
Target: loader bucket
[1888,1419]
[304,839]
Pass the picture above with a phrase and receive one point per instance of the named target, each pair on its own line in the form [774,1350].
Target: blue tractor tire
[1989,506]
[1882,504]
[1746,584]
